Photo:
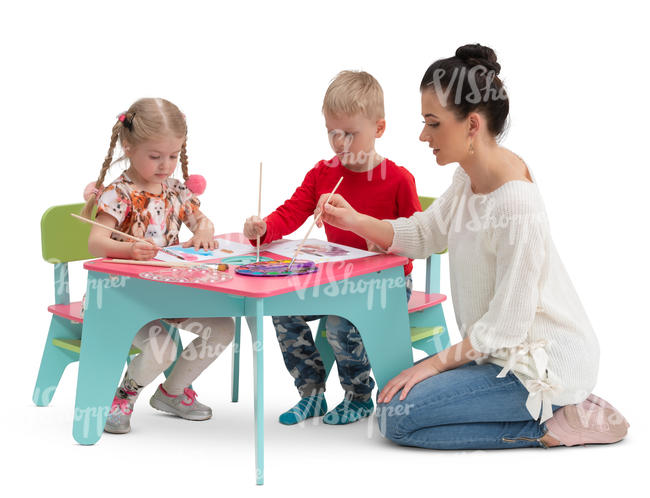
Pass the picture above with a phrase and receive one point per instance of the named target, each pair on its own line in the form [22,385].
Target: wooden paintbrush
[313,223]
[259,210]
[131,237]
[171,264]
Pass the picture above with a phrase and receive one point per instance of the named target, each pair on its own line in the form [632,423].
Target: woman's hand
[337,212]
[406,380]
[372,247]
[143,251]
[254,227]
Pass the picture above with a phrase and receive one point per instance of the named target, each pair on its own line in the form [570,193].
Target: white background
[250,79]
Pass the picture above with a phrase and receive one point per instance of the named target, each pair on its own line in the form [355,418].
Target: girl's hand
[142,251]
[254,227]
[202,239]
[203,234]
[406,380]
[338,212]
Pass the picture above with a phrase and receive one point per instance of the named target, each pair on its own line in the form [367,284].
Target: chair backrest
[433,261]
[425,202]
[63,239]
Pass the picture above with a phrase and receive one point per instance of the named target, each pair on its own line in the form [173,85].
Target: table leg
[375,303]
[255,324]
[380,314]
[236,345]
[101,361]
[117,307]
[105,344]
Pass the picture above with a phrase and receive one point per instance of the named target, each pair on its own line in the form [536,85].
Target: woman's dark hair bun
[476,53]
[468,82]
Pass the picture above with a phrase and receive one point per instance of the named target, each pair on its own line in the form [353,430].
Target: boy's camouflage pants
[305,364]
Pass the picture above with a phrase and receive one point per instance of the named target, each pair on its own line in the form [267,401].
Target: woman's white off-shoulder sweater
[512,296]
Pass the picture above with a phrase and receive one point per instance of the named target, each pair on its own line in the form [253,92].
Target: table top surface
[259,287]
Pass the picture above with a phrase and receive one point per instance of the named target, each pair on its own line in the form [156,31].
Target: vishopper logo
[479,78]
[485,215]
[212,339]
[344,285]
[44,397]
[589,415]
[62,283]
[360,158]
[85,415]
[108,282]
[312,281]
[383,413]
[386,412]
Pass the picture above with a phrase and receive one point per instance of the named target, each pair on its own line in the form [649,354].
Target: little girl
[146,202]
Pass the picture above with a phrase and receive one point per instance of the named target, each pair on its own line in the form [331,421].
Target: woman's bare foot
[550,441]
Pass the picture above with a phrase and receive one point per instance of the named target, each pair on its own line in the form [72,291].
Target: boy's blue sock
[348,411]
[311,406]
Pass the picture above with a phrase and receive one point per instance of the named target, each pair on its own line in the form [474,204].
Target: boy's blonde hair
[146,119]
[354,92]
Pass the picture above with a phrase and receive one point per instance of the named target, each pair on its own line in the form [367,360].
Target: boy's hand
[337,212]
[254,227]
[142,251]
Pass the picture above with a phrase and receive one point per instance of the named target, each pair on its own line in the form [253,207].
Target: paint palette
[188,275]
[277,268]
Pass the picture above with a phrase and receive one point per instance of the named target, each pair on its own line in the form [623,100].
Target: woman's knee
[391,417]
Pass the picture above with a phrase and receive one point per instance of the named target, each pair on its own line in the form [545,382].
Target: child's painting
[226,248]
[318,251]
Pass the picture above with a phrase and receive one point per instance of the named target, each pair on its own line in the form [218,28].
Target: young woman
[523,374]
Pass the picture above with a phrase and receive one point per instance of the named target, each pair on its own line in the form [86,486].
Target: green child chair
[426,319]
[63,240]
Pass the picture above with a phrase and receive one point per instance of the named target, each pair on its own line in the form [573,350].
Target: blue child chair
[63,240]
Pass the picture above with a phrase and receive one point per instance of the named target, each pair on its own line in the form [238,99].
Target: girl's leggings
[159,351]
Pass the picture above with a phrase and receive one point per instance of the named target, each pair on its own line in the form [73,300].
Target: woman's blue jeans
[464,408]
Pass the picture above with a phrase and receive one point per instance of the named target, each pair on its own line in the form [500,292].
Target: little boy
[354,116]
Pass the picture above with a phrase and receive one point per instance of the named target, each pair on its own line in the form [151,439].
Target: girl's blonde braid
[86,212]
[186,175]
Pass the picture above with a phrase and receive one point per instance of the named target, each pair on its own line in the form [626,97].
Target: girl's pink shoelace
[191,394]
[121,404]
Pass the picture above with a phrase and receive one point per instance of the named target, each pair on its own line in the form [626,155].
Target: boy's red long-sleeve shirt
[385,192]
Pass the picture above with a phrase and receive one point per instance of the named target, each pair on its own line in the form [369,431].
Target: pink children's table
[369,292]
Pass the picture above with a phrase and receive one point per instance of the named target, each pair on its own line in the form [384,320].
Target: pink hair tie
[90,190]
[126,121]
[196,184]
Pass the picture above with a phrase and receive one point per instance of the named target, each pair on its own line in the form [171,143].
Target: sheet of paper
[226,248]
[318,251]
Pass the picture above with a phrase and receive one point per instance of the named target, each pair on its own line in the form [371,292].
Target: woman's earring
[471,148]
